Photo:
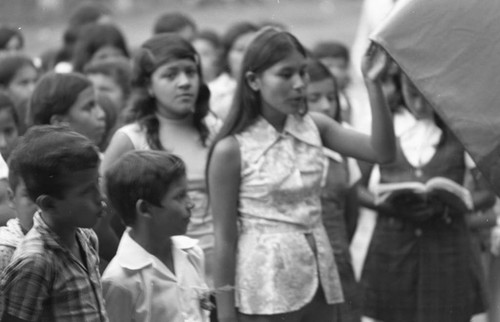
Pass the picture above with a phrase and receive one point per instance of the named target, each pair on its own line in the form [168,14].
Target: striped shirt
[45,281]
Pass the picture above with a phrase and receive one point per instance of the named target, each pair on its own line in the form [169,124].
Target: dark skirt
[423,272]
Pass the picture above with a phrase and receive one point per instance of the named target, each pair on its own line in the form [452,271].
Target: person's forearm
[382,137]
[224,279]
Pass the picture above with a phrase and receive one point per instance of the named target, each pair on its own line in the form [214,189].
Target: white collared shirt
[137,286]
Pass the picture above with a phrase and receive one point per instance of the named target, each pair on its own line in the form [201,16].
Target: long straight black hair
[269,47]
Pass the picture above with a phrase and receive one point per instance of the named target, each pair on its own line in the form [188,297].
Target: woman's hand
[375,62]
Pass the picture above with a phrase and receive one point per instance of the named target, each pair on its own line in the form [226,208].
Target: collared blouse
[283,253]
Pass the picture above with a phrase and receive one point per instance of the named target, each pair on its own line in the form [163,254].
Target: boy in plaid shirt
[54,273]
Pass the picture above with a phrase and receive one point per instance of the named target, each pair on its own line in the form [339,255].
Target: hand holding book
[423,200]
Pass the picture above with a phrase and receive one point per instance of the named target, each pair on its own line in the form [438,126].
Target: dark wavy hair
[155,52]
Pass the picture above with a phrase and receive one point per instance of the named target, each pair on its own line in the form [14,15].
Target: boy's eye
[191,72]
[313,98]
[331,97]
[286,75]
[170,74]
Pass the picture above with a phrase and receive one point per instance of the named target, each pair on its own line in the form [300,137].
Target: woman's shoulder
[136,134]
[131,128]
[227,147]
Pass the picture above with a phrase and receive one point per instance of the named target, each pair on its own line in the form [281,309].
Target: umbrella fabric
[450,49]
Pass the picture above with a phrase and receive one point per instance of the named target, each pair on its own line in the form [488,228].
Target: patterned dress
[283,253]
[423,272]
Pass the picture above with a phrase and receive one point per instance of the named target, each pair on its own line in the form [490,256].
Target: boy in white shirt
[156,274]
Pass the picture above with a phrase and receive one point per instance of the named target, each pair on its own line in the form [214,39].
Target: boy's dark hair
[46,155]
[54,94]
[143,175]
[172,22]
[333,49]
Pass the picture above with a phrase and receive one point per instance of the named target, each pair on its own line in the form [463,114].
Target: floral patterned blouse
[283,253]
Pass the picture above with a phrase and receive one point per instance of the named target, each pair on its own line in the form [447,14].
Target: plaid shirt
[45,282]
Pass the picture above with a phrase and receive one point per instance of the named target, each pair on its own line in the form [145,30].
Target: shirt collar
[132,256]
[52,240]
[299,127]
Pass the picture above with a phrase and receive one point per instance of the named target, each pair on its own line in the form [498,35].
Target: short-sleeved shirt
[139,287]
[46,282]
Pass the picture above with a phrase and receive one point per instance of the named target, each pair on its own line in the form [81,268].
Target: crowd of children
[207,177]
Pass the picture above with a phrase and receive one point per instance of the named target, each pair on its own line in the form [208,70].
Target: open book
[446,190]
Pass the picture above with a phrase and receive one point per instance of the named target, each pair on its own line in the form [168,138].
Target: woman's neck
[276,118]
[186,119]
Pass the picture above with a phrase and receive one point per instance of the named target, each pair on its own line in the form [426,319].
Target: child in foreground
[53,274]
[156,274]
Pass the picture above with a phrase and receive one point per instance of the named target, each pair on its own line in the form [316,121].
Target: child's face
[175,86]
[86,117]
[339,68]
[106,85]
[25,207]
[322,97]
[237,51]
[172,217]
[8,132]
[81,205]
[209,56]
[282,87]
[22,84]
[416,102]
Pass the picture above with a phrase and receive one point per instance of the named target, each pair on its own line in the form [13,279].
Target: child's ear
[45,202]
[252,80]
[142,208]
